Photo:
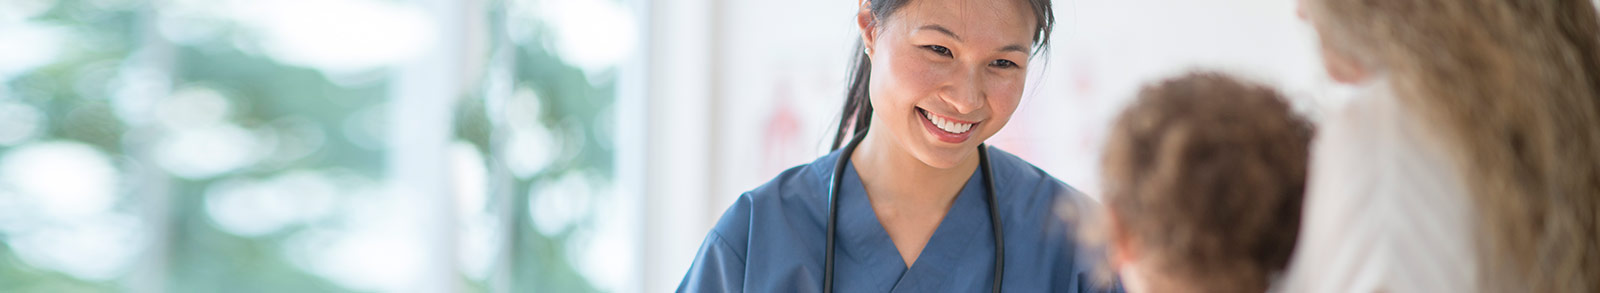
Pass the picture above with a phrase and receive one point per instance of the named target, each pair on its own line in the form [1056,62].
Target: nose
[965,91]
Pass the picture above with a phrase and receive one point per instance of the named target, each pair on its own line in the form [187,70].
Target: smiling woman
[896,208]
[933,76]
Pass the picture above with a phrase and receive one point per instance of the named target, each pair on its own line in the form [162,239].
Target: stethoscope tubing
[835,184]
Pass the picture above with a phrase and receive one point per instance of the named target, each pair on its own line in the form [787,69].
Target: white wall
[677,139]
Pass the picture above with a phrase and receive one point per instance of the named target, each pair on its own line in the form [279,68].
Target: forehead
[1008,21]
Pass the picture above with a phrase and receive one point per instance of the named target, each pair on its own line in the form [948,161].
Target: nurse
[920,204]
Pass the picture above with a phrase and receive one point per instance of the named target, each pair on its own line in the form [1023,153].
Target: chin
[945,156]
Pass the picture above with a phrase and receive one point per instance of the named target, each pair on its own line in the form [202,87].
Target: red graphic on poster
[781,134]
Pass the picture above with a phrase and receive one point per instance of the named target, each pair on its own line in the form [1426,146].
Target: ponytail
[857,105]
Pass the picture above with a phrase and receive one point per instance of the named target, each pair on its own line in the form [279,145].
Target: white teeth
[947,125]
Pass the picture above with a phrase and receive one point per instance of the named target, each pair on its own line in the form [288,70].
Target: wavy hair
[1512,86]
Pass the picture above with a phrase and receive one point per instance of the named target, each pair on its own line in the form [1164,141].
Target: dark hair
[1206,175]
[858,106]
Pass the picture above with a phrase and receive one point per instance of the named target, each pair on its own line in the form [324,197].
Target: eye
[941,50]
[1003,63]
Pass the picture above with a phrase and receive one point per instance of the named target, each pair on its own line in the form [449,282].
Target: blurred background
[486,145]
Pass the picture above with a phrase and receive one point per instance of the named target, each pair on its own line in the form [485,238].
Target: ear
[868,25]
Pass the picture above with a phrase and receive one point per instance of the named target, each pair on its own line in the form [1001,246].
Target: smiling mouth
[945,129]
[945,124]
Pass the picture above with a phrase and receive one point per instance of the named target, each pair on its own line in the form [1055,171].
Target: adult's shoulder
[1041,216]
[804,182]
[1026,188]
[1013,175]
[1378,175]
[798,191]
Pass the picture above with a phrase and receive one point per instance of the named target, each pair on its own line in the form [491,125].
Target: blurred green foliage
[73,93]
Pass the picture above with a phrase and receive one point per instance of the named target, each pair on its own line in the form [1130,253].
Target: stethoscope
[833,212]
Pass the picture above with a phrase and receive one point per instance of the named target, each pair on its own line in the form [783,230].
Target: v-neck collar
[874,257]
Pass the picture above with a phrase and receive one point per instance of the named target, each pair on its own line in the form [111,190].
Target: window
[312,146]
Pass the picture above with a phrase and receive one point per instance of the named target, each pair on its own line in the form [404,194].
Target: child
[1204,176]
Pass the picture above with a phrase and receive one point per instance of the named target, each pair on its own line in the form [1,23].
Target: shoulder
[1029,195]
[803,182]
[1022,184]
[800,191]
[1376,150]
[1377,176]
[1040,223]
[1351,131]
[1376,127]
[1347,147]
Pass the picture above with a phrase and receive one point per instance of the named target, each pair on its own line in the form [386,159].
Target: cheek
[1339,66]
[1004,93]
[1342,69]
[903,79]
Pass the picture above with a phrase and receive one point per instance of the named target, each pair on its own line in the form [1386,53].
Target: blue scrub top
[774,237]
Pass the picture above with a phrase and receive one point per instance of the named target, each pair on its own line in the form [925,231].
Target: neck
[892,175]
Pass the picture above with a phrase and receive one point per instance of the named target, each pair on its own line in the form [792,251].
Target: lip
[945,136]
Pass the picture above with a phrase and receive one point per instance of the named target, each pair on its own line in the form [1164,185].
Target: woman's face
[946,74]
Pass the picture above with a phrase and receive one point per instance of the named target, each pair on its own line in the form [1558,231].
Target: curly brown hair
[1206,174]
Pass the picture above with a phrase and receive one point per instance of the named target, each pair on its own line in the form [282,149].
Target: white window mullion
[423,95]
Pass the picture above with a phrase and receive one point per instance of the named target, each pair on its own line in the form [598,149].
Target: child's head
[1204,176]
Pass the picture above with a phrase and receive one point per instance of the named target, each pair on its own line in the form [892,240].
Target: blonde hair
[1512,85]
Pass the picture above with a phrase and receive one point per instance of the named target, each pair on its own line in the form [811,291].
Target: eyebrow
[939,28]
[947,32]
[1015,47]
